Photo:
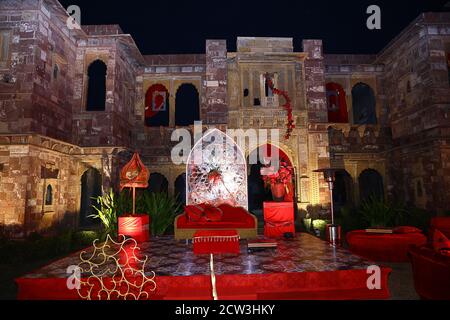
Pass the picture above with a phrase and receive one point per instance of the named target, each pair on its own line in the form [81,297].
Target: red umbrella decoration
[134,175]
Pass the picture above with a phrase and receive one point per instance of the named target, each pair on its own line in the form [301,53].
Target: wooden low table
[216,241]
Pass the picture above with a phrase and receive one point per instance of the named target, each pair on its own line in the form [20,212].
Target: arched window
[337,105]
[187,105]
[343,189]
[55,72]
[370,184]
[91,188]
[96,90]
[158,183]
[157,106]
[364,103]
[448,66]
[49,196]
[180,188]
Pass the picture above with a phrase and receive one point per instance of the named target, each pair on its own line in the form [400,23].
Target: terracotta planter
[135,226]
[278,191]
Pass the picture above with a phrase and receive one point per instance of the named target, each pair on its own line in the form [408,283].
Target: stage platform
[304,267]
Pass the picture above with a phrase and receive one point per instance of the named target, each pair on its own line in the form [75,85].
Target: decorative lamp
[134,175]
[333,230]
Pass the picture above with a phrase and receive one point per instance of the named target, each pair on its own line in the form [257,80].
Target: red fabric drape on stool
[278,219]
[216,241]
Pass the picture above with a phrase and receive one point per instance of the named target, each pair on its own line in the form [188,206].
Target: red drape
[330,285]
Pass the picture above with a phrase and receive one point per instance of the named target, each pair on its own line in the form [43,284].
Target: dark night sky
[162,27]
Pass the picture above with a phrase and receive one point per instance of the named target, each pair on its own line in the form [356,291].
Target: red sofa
[233,218]
[383,247]
[431,272]
[442,224]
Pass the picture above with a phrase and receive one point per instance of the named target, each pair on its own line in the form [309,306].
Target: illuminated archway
[216,171]
[257,193]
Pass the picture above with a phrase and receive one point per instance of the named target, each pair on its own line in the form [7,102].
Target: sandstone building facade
[74,104]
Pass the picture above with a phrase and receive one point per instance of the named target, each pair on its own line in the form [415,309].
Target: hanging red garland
[287,106]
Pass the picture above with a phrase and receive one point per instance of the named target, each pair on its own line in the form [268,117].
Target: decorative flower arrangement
[283,175]
[287,106]
[214,176]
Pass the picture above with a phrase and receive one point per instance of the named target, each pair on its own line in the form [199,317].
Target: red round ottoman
[383,247]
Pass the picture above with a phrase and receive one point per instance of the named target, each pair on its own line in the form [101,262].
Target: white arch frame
[229,191]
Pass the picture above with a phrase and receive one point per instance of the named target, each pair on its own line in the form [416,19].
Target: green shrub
[106,211]
[124,202]
[162,209]
[377,213]
[83,239]
[350,219]
[416,217]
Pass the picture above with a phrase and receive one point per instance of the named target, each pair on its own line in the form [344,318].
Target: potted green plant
[162,208]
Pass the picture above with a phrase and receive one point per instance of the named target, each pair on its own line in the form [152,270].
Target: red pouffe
[278,219]
[383,247]
[216,241]
[136,226]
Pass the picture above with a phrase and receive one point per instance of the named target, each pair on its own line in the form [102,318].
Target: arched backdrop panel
[157,106]
[216,171]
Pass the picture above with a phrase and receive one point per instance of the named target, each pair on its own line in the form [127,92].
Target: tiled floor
[305,253]
[167,256]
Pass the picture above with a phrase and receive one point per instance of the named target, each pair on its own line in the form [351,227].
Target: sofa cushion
[406,229]
[213,214]
[194,212]
[441,243]
[232,218]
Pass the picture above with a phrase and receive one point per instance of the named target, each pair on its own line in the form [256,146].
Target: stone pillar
[316,102]
[215,110]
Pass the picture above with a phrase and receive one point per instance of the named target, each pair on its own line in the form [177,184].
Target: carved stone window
[49,195]
[448,66]
[268,98]
[5,39]
[55,72]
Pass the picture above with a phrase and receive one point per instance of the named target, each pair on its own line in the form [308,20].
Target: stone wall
[30,163]
[416,85]
[315,81]
[215,108]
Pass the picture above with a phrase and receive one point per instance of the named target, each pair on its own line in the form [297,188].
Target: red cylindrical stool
[135,226]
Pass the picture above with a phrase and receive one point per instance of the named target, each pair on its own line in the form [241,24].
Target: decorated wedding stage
[214,261]
[304,267]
